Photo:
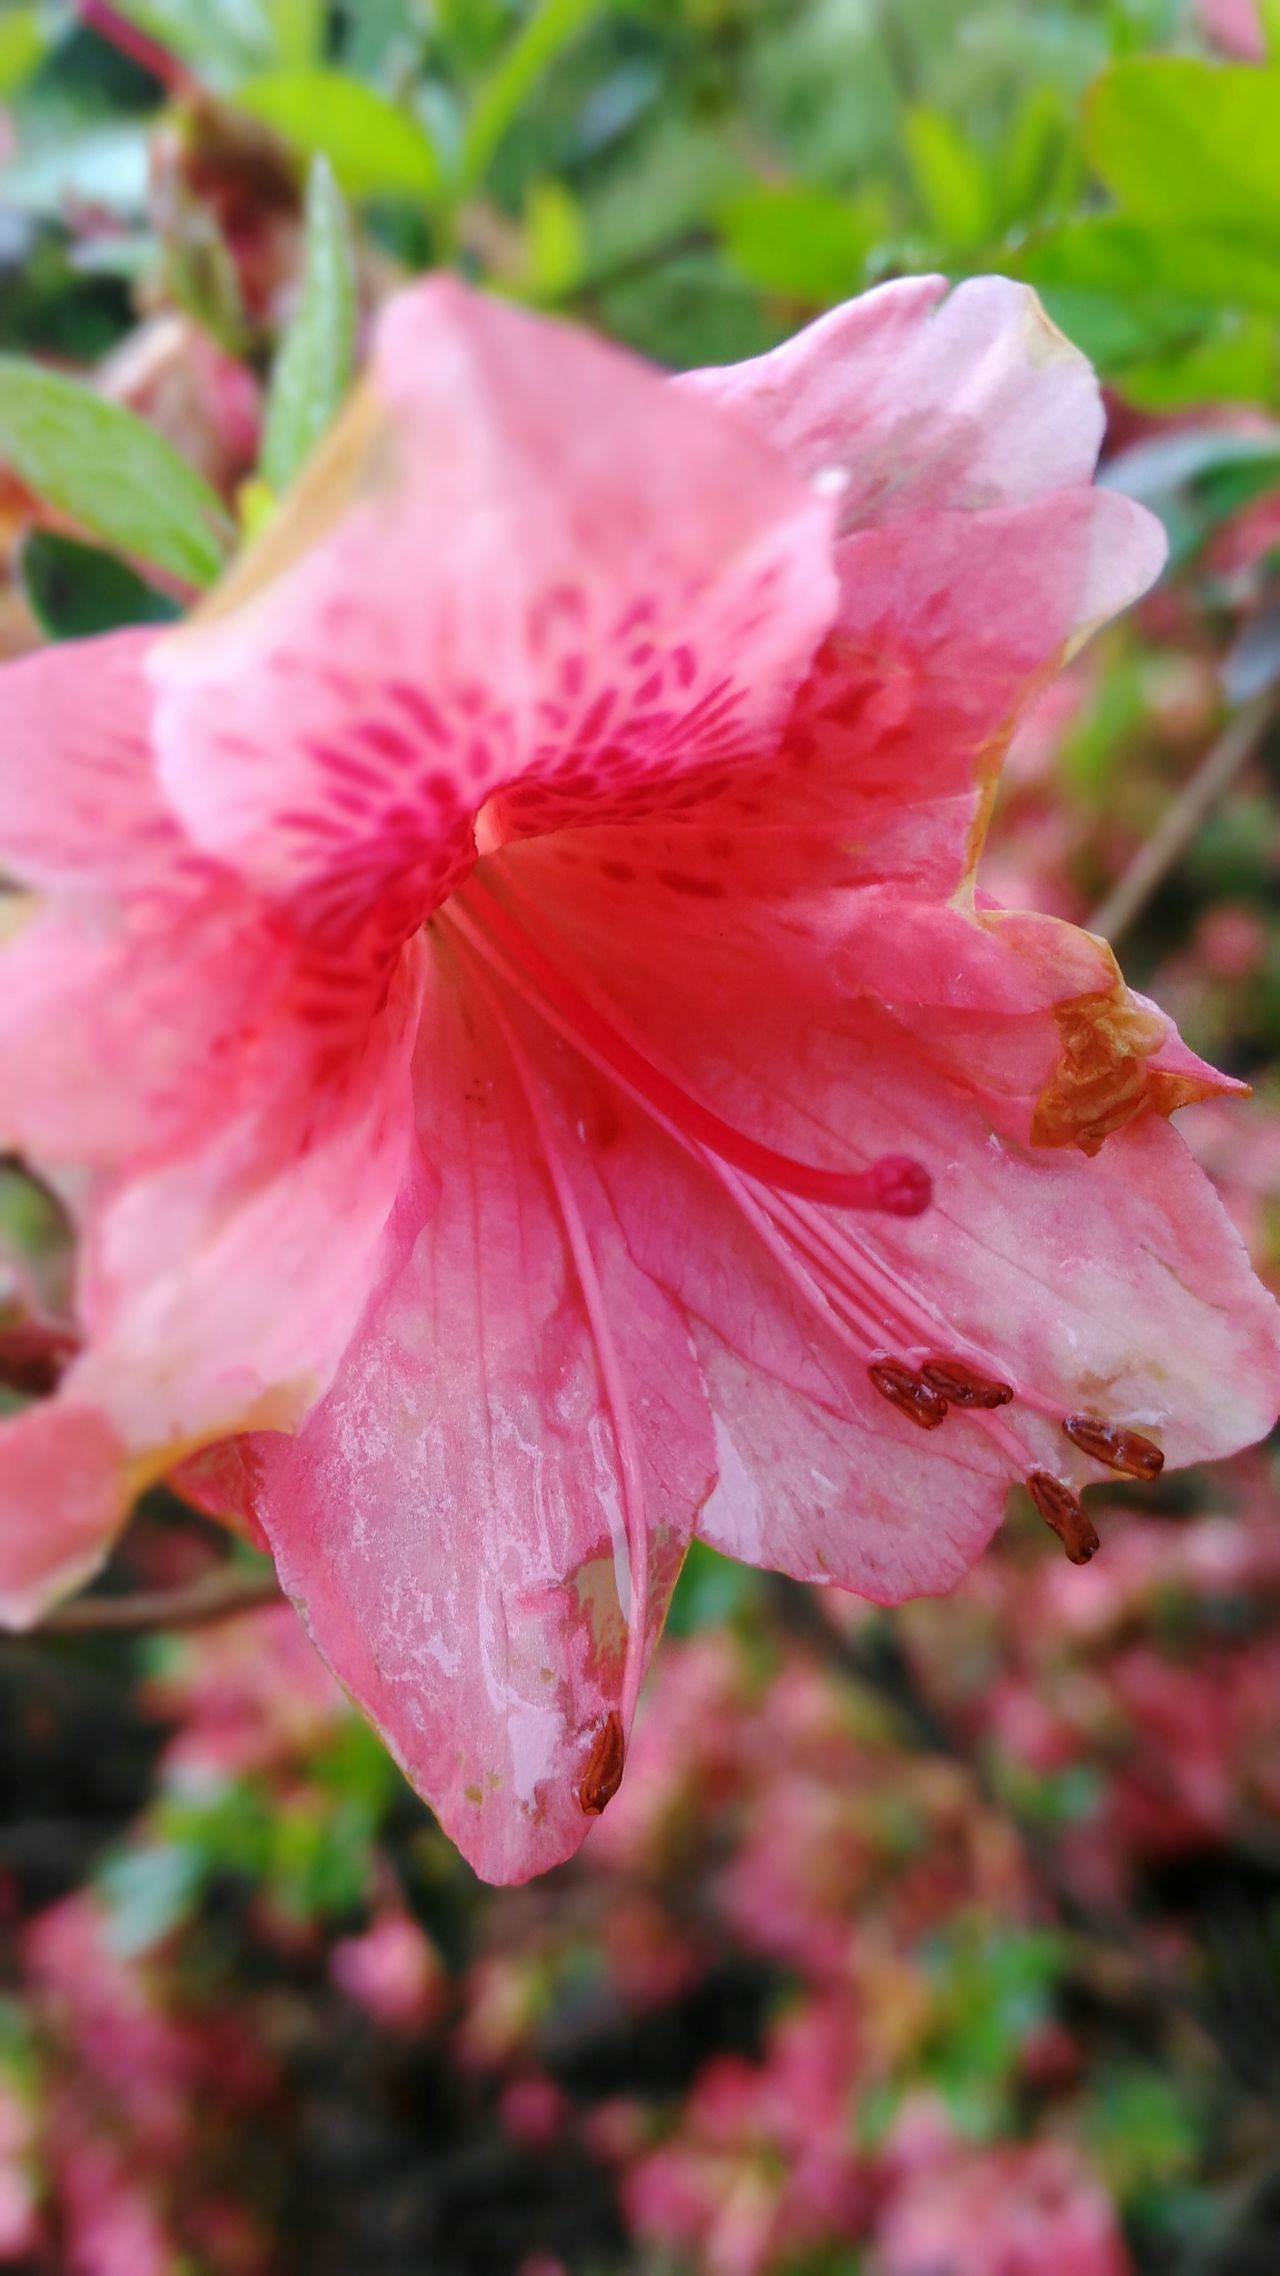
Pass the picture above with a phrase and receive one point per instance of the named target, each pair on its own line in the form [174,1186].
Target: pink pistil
[895,1185]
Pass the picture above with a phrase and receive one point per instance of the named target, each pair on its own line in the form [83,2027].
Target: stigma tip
[898,1186]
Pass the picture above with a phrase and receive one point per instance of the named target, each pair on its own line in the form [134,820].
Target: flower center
[895,1184]
[806,1217]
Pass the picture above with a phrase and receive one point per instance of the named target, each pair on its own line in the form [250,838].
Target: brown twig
[1222,762]
[215,1596]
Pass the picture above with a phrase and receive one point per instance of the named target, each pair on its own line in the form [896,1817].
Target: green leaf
[22,43]
[710,1592]
[1214,267]
[1236,363]
[314,366]
[555,250]
[550,28]
[1180,140]
[223,38]
[76,590]
[298,27]
[110,471]
[148,1891]
[797,239]
[950,176]
[375,148]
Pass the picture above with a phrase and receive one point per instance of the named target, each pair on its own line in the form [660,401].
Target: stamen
[895,1185]
[963,1386]
[1124,1450]
[1064,1512]
[605,1765]
[634,1548]
[908,1393]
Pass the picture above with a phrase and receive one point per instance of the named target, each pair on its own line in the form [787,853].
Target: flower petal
[916,396]
[126,1028]
[79,803]
[1112,1286]
[526,575]
[220,1287]
[63,1493]
[458,1521]
[949,627]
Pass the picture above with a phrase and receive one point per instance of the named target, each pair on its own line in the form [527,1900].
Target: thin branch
[1164,849]
[130,40]
[216,1595]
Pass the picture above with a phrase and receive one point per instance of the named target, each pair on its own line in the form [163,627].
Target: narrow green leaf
[548,29]
[951,177]
[298,27]
[77,590]
[555,241]
[1180,140]
[221,38]
[22,43]
[110,471]
[797,239]
[375,148]
[314,366]
[1211,267]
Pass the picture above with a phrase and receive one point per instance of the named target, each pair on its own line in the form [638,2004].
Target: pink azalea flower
[1235,25]
[1031,2210]
[509,982]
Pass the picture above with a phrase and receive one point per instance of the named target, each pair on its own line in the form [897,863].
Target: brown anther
[1062,1509]
[909,1393]
[1120,1449]
[963,1386]
[605,1765]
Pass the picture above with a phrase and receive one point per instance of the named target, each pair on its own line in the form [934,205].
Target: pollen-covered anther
[1063,1511]
[605,1764]
[1120,1449]
[964,1386]
[909,1393]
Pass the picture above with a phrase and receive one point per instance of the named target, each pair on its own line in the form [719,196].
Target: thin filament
[896,1185]
[636,1610]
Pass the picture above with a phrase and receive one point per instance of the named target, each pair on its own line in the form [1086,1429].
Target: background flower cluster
[942,1943]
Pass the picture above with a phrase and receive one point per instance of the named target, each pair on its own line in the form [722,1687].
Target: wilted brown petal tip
[1062,1510]
[1120,1449]
[605,1765]
[909,1393]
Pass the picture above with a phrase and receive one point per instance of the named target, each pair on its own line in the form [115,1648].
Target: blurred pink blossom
[392,1971]
[1034,2211]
